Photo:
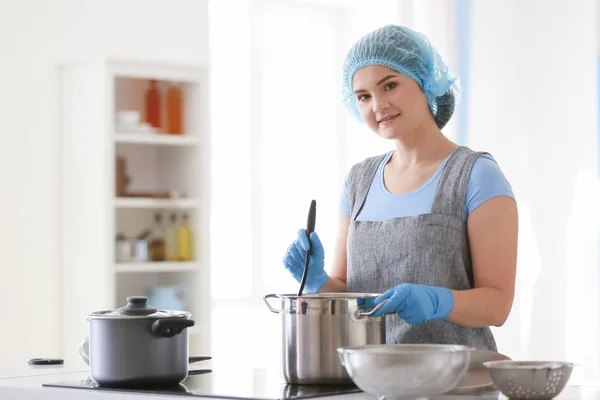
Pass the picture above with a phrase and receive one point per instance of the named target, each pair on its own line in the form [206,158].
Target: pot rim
[159,314]
[406,348]
[527,365]
[327,296]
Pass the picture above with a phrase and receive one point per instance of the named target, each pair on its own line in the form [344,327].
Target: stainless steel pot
[138,345]
[313,326]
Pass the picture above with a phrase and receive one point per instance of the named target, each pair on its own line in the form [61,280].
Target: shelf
[144,267]
[156,139]
[144,69]
[146,202]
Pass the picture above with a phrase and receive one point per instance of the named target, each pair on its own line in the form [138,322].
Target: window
[280,137]
[295,143]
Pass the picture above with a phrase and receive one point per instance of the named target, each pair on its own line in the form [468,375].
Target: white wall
[533,97]
[35,36]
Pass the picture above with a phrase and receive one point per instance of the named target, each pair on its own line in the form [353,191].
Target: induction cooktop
[255,384]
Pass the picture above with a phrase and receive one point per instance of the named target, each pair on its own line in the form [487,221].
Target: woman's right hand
[295,258]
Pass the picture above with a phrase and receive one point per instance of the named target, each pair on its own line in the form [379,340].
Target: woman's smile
[388,119]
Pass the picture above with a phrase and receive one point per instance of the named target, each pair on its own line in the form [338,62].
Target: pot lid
[137,307]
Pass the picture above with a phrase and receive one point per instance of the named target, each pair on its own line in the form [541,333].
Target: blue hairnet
[410,54]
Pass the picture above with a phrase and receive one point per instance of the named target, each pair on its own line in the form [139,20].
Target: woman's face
[391,104]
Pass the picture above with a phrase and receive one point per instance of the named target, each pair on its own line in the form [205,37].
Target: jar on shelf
[123,248]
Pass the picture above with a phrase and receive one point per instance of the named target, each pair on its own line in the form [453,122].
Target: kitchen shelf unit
[91,214]
[155,139]
[137,202]
[166,266]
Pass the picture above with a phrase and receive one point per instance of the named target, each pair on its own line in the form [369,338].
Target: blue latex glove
[414,303]
[296,255]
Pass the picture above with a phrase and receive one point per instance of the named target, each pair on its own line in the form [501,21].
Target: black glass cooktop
[253,384]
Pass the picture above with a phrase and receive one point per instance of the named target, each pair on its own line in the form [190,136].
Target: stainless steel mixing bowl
[534,380]
[397,370]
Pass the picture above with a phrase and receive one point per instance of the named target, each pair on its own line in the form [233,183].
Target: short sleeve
[344,202]
[485,182]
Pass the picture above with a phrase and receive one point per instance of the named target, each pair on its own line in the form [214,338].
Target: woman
[431,225]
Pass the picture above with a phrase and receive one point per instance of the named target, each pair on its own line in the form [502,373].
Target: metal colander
[533,380]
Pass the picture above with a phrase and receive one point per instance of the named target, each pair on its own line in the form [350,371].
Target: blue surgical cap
[408,53]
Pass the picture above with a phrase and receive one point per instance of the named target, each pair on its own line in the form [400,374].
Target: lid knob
[137,305]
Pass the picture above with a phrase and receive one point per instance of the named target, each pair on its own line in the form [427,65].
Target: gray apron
[429,249]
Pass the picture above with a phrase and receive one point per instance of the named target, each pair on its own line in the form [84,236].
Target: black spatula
[310,227]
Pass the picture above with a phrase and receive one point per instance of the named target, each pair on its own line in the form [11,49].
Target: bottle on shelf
[174,109]
[153,105]
[171,239]
[184,240]
[157,240]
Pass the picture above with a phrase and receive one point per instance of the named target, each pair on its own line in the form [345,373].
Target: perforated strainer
[533,380]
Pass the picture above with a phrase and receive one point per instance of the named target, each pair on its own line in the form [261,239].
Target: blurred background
[171,149]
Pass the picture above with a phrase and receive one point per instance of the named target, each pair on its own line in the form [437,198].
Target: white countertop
[21,382]
[28,393]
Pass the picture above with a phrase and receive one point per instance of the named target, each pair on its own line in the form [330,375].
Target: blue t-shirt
[486,181]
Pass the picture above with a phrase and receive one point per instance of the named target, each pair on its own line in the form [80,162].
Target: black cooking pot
[138,345]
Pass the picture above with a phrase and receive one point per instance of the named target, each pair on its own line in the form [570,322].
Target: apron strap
[451,190]
[359,181]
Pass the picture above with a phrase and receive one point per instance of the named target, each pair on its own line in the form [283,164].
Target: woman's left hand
[415,303]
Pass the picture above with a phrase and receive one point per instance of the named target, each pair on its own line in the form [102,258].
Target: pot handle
[270,296]
[198,359]
[373,311]
[169,327]
[84,350]
[359,316]
[341,356]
